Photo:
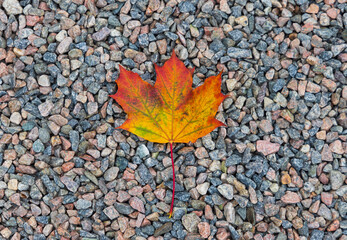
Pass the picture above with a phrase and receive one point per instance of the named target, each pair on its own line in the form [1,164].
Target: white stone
[229,212]
[202,188]
[45,108]
[226,190]
[12,7]
[44,81]
[61,35]
[64,45]
[16,118]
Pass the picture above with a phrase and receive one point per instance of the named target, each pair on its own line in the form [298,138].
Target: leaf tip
[173,53]
[121,69]
[220,124]
[219,75]
[191,70]
[223,125]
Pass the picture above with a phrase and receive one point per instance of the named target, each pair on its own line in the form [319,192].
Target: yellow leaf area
[169,111]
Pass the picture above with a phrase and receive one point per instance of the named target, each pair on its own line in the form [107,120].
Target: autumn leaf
[171,110]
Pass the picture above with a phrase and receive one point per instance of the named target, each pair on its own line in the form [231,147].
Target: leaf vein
[190,121]
[196,130]
[149,114]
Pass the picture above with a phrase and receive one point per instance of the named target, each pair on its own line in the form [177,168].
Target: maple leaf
[171,110]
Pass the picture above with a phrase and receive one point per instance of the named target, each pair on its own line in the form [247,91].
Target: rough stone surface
[190,222]
[275,170]
[12,7]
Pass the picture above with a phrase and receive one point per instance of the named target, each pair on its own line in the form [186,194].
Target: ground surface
[277,171]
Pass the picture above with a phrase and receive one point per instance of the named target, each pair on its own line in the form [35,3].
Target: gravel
[276,170]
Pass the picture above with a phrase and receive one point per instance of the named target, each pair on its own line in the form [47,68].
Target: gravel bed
[276,171]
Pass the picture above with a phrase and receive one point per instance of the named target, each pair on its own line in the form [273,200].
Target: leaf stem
[173,182]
